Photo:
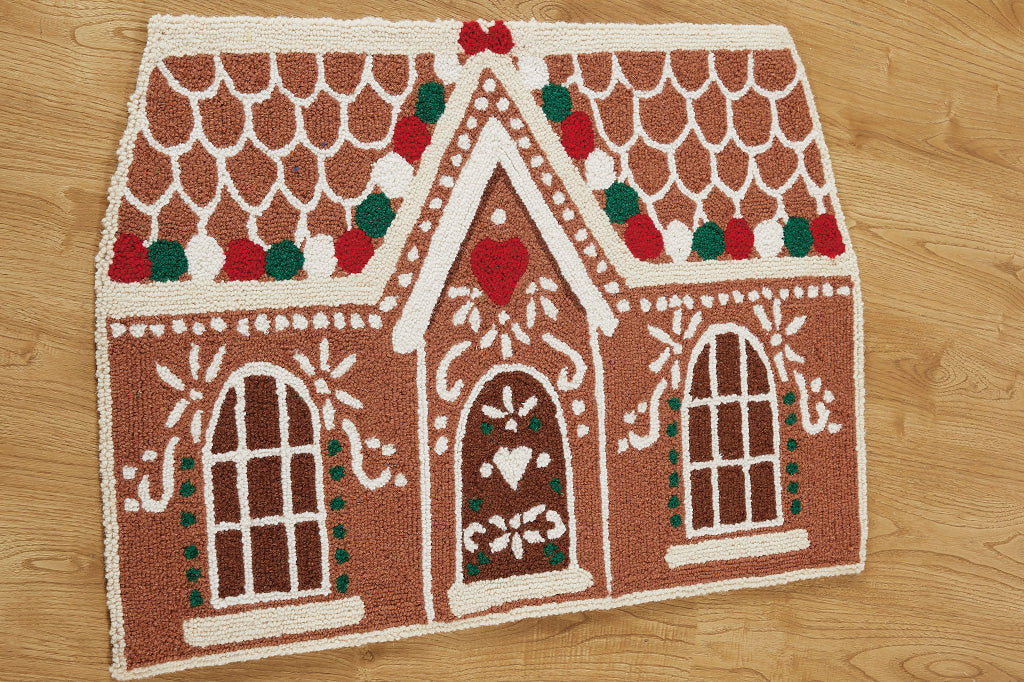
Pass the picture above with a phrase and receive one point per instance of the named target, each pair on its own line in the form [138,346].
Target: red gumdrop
[739,238]
[577,135]
[411,138]
[472,38]
[499,38]
[827,239]
[244,260]
[353,249]
[642,238]
[131,259]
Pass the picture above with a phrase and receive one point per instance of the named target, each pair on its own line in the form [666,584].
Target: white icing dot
[524,142]
[558,198]
[568,214]
[499,216]
[768,239]
[503,104]
[600,170]
[516,123]
[480,103]
[489,85]
[486,469]
[543,459]
[471,122]
[319,259]
[463,141]
[678,241]
[400,480]
[436,203]
[392,174]
[205,258]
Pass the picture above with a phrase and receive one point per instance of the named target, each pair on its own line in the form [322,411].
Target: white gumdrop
[678,241]
[533,71]
[447,67]
[205,258]
[392,174]
[600,169]
[768,239]
[320,261]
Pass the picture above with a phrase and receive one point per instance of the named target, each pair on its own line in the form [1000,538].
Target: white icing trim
[494,147]
[726,549]
[273,622]
[481,595]
[423,430]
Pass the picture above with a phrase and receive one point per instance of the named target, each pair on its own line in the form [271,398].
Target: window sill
[273,622]
[725,549]
[481,595]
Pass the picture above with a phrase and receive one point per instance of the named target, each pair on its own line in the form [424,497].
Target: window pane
[225,435]
[700,496]
[730,431]
[732,502]
[225,493]
[303,484]
[300,424]
[757,373]
[761,428]
[307,555]
[265,497]
[762,491]
[700,386]
[270,559]
[261,418]
[727,357]
[700,433]
[230,570]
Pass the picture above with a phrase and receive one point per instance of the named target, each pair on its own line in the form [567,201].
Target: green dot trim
[337,503]
[341,556]
[708,241]
[789,398]
[337,472]
[676,520]
[430,102]
[186,489]
[284,260]
[673,479]
[792,468]
[556,485]
[486,428]
[482,558]
[193,574]
[187,519]
[187,463]
[673,502]
[374,214]
[340,532]
[792,487]
[333,447]
[674,403]
[168,259]
[795,507]
[621,202]
[672,429]
[191,552]
[791,445]
[342,583]
[535,424]
[673,456]
[472,568]
[791,419]
[557,103]
[195,598]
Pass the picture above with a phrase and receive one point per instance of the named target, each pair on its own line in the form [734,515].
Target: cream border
[245,626]
[172,35]
[726,549]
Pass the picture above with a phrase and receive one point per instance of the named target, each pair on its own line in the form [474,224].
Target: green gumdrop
[430,102]
[797,236]
[374,214]
[168,259]
[708,241]
[284,260]
[621,202]
[557,102]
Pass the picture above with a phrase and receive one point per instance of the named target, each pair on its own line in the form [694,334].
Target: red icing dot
[131,259]
[353,249]
[411,138]
[642,238]
[499,38]
[244,260]
[472,38]
[739,238]
[827,239]
[577,135]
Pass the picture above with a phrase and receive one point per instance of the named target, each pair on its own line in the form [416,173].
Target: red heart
[498,267]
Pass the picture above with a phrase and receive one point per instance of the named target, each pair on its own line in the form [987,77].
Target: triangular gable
[494,148]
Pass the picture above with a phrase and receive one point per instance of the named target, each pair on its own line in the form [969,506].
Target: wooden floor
[923,110]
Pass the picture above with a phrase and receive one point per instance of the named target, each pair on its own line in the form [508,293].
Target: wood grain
[922,109]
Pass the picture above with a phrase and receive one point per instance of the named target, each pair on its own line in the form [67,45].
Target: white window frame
[709,340]
[240,457]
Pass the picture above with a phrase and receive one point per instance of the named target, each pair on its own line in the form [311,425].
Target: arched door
[264,490]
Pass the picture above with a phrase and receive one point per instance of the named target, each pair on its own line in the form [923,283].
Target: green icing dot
[191,552]
[795,507]
[791,419]
[789,398]
[195,598]
[333,447]
[792,487]
[621,202]
[192,574]
[168,259]
[673,456]
[284,260]
[676,520]
[337,472]
[339,532]
[673,479]
[483,559]
[672,429]
[472,568]
[550,548]
[374,214]
[708,241]
[792,468]
[556,558]
[340,555]
[337,503]
[187,463]
[187,519]
[791,445]
[673,403]
[485,428]
[556,485]
[430,102]
[535,424]
[342,583]
[797,236]
[673,502]
[476,503]
[186,489]
[557,102]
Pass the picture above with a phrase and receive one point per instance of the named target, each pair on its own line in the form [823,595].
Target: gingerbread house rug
[410,327]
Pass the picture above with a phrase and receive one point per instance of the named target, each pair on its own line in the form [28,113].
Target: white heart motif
[512,463]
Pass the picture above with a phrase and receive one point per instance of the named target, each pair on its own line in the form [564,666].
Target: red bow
[474,39]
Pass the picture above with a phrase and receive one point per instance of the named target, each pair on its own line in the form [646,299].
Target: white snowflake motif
[324,372]
[191,393]
[673,348]
[515,532]
[504,329]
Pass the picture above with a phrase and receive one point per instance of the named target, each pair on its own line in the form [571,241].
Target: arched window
[730,435]
[264,490]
